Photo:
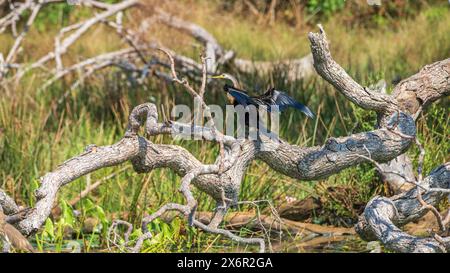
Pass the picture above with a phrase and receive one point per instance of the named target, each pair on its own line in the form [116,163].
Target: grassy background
[37,133]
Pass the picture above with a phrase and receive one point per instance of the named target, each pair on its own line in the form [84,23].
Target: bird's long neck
[234,81]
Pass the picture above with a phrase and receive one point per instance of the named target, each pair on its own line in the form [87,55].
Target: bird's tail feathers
[305,110]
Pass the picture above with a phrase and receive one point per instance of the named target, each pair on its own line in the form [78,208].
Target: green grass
[38,133]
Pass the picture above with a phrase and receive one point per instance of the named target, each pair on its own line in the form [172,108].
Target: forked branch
[393,137]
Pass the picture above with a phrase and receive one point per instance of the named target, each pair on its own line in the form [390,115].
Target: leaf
[49,230]
[67,213]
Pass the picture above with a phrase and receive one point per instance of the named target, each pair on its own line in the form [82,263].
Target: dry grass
[37,134]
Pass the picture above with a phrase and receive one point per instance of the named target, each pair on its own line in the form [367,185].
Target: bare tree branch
[382,216]
[78,30]
[7,203]
[431,83]
[336,75]
[222,180]
[297,68]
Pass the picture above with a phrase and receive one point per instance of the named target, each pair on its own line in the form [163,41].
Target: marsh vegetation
[42,125]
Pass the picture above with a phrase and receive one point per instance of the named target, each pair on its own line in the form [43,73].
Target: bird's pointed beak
[217,77]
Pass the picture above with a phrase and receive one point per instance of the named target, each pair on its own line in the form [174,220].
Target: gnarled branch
[393,138]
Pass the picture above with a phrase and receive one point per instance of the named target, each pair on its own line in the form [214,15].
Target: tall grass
[37,133]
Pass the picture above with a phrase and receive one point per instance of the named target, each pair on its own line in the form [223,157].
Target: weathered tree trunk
[395,133]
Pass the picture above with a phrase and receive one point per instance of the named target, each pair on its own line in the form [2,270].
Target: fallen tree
[393,136]
[136,61]
[139,61]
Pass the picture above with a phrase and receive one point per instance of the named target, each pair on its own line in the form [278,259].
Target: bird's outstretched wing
[283,101]
[240,95]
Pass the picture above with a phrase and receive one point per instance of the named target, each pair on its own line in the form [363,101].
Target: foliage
[359,12]
[326,7]
[37,133]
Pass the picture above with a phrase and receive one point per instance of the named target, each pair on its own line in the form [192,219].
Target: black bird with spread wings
[270,98]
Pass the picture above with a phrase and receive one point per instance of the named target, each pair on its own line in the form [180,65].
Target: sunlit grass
[37,133]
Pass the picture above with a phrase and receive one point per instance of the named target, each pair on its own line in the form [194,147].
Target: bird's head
[226,76]
[223,76]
